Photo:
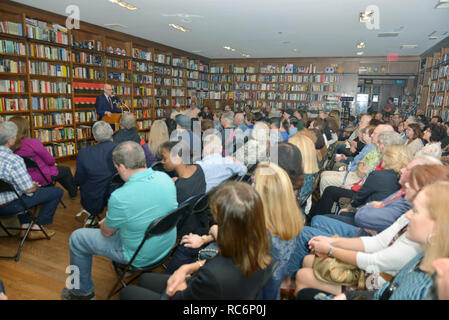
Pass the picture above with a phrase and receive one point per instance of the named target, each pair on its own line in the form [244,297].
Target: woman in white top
[375,254]
[433,135]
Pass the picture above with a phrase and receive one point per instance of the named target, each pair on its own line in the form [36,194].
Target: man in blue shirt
[145,196]
[215,167]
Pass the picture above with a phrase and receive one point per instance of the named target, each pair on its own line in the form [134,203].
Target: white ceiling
[269,28]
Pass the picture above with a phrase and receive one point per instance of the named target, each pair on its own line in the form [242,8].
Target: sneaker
[68,295]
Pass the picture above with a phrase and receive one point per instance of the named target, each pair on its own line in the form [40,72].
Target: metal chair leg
[5,229]
[22,242]
[61,202]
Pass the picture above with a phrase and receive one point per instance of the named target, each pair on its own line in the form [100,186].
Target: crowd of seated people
[379,185]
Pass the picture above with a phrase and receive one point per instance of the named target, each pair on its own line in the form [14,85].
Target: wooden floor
[40,272]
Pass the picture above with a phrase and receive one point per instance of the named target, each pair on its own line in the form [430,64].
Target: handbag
[333,271]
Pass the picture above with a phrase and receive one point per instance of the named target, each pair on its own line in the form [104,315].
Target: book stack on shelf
[162,85]
[178,82]
[433,84]
[143,78]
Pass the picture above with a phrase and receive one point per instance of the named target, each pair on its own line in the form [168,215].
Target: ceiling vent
[409,46]
[442,4]
[387,34]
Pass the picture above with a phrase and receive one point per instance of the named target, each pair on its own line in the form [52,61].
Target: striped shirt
[13,170]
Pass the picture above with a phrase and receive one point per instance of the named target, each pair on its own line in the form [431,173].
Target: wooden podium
[113,119]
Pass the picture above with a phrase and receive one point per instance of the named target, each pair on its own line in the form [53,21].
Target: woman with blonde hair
[378,185]
[310,163]
[283,219]
[391,250]
[157,136]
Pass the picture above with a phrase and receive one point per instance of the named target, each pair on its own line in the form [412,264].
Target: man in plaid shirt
[13,170]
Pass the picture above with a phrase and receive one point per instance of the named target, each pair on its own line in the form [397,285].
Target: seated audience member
[401,131]
[190,180]
[13,171]
[171,125]
[145,196]
[333,127]
[318,140]
[378,185]
[433,135]
[176,112]
[184,132]
[292,126]
[440,288]
[239,268]
[227,108]
[247,109]
[193,111]
[414,135]
[217,120]
[383,213]
[283,219]
[288,157]
[128,129]
[257,148]
[436,120]
[278,130]
[157,136]
[428,227]
[389,107]
[207,125]
[228,135]
[25,146]
[250,120]
[217,168]
[239,121]
[205,114]
[94,170]
[377,256]
[302,118]
[351,163]
[310,163]
[371,160]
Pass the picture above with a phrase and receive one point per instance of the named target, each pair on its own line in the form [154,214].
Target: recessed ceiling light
[232,49]
[295,50]
[245,55]
[408,46]
[227,47]
[361,45]
[180,28]
[124,4]
[115,25]
[366,16]
[359,53]
[442,4]
[197,51]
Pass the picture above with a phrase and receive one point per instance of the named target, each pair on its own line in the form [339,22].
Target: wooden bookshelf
[433,82]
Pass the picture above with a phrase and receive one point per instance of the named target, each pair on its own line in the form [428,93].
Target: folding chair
[7,187]
[30,163]
[249,173]
[158,227]
[272,268]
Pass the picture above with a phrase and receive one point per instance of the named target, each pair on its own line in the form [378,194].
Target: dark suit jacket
[126,135]
[102,105]
[379,185]
[220,279]
[94,170]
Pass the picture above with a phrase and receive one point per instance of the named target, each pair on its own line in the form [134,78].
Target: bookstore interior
[311,56]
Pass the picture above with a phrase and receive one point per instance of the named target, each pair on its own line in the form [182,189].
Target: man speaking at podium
[106,104]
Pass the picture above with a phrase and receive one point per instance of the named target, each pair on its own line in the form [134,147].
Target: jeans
[49,197]
[65,178]
[320,226]
[84,243]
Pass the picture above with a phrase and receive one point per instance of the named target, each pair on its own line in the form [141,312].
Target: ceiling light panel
[180,28]
[124,4]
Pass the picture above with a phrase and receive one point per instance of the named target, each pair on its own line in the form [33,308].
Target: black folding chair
[158,166]
[158,227]
[7,187]
[249,173]
[30,163]
[271,269]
